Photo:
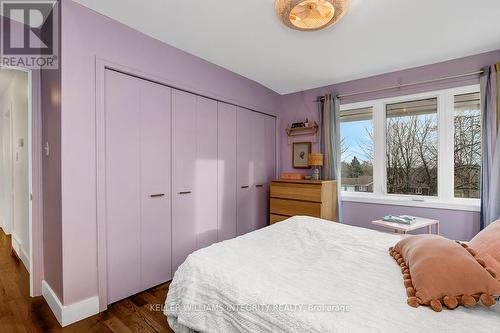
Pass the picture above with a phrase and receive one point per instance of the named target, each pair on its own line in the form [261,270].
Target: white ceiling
[375,37]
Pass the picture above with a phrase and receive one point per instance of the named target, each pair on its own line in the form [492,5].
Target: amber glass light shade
[310,15]
[315,159]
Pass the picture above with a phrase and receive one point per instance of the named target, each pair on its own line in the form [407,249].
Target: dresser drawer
[303,192]
[292,207]
[273,218]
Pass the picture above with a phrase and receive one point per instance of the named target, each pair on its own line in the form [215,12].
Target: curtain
[490,182]
[330,143]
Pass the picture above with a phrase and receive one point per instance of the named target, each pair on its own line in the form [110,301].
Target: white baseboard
[25,258]
[69,314]
[6,229]
[16,245]
[18,248]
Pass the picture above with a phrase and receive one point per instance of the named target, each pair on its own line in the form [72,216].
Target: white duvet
[305,275]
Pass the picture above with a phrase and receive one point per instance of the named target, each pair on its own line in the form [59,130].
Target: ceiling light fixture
[310,15]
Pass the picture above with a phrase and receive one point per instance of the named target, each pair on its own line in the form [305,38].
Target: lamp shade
[310,15]
[316,159]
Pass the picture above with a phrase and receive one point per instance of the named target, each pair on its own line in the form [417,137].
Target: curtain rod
[320,99]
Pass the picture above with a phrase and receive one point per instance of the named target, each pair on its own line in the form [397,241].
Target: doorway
[17,134]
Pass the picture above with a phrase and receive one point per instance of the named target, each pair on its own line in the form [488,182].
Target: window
[412,147]
[356,128]
[467,152]
[420,150]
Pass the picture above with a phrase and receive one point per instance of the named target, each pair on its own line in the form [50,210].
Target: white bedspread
[345,271]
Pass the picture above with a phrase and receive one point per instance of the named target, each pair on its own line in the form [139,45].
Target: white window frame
[446,197]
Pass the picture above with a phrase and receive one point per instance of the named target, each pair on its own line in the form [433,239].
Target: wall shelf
[311,130]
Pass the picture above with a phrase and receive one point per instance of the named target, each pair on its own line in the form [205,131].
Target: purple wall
[51,176]
[298,106]
[86,36]
[454,224]
[51,173]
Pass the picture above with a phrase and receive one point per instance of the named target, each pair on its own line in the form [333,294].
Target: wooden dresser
[303,197]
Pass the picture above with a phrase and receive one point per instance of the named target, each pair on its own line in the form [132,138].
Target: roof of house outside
[360,181]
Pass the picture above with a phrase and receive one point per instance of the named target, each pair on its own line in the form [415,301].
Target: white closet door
[184,137]
[245,172]
[156,188]
[194,175]
[137,126]
[226,169]
[123,185]
[256,161]
[206,172]
[260,190]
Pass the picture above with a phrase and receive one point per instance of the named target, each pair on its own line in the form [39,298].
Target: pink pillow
[439,271]
[487,245]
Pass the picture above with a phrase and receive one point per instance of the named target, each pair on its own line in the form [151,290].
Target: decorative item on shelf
[300,154]
[306,128]
[310,15]
[292,176]
[316,161]
[298,125]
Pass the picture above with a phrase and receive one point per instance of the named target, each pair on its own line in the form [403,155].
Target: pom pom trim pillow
[438,271]
[487,245]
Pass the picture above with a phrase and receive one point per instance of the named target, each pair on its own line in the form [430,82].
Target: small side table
[405,228]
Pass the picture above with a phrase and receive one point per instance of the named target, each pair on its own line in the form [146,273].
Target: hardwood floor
[20,313]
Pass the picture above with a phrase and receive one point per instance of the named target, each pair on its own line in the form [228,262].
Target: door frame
[34,144]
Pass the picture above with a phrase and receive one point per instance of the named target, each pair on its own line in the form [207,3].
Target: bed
[305,275]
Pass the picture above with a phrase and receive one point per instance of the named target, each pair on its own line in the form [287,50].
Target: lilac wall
[454,224]
[298,106]
[51,175]
[86,36]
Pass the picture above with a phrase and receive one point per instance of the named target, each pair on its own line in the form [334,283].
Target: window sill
[471,205]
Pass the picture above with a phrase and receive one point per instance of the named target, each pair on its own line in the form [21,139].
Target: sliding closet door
[245,172]
[123,185]
[137,125]
[183,176]
[194,139]
[227,171]
[156,173]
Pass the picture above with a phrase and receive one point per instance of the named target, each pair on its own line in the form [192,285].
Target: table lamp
[316,161]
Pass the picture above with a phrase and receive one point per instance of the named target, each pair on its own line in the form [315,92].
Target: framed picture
[300,154]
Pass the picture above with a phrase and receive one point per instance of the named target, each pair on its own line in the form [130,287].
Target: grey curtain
[490,183]
[330,143]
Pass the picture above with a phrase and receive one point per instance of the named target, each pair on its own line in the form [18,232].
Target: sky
[354,133]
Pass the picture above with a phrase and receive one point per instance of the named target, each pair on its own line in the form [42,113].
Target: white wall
[15,164]
[6,164]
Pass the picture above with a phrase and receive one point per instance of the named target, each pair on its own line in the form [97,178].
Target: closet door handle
[245,186]
[159,195]
[185,192]
[259,185]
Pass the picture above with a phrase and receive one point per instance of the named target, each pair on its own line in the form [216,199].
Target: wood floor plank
[20,313]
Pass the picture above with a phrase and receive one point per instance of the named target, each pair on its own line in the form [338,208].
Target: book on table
[401,219]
